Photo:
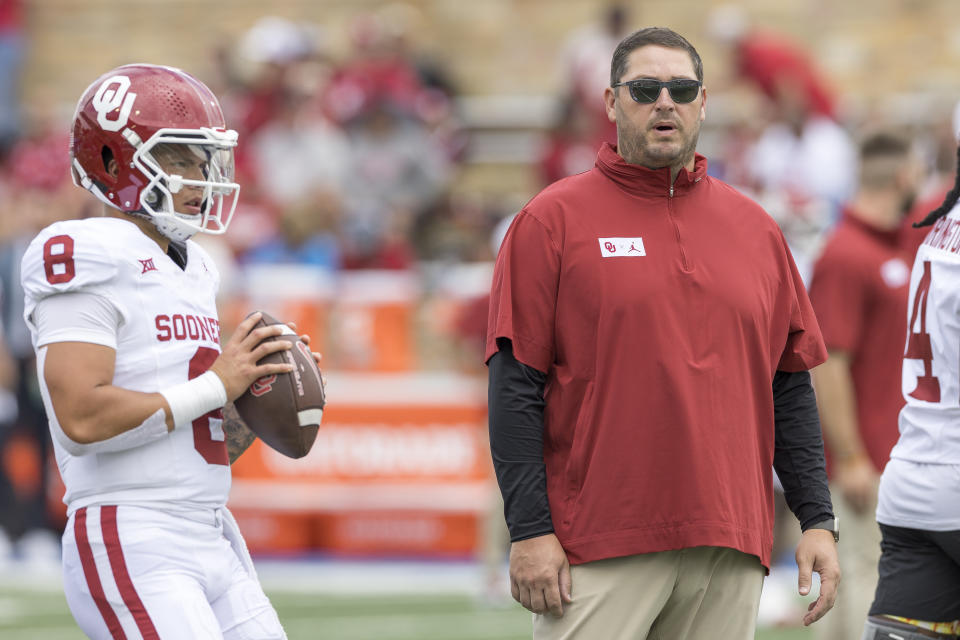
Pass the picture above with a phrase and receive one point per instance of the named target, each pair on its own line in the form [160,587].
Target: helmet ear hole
[109,162]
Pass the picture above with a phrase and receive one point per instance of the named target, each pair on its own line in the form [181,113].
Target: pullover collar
[641,181]
[886,236]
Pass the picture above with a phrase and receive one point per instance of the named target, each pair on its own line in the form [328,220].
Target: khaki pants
[859,552]
[703,593]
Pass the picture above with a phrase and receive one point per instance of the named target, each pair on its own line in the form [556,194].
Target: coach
[648,346]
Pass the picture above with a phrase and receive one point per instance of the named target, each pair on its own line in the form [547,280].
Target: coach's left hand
[818,552]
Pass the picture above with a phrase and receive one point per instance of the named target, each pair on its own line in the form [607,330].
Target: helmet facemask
[190,173]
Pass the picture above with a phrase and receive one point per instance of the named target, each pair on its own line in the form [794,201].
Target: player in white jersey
[137,388]
[918,594]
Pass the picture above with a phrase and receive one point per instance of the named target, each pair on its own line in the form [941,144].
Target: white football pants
[134,573]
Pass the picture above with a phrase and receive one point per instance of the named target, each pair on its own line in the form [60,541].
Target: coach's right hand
[540,574]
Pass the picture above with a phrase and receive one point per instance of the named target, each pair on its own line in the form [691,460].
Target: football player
[136,384]
[918,593]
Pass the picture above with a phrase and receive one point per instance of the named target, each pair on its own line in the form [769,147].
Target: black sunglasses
[647,90]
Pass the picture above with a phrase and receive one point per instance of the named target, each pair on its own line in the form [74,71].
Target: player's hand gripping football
[237,363]
[317,356]
[540,574]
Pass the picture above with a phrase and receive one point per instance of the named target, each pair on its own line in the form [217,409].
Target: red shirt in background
[859,291]
[11,16]
[660,320]
[769,60]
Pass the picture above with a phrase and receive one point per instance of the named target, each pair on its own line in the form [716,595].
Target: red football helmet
[121,120]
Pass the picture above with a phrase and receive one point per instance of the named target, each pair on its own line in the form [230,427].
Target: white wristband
[190,400]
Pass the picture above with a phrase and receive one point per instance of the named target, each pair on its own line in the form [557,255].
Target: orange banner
[400,465]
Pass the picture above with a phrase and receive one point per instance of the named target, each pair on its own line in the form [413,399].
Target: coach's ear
[610,103]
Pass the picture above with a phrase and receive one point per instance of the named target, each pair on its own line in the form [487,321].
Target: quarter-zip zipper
[676,229]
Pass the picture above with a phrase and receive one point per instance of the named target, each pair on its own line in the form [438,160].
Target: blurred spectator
[299,162]
[378,69]
[273,56]
[456,228]
[383,65]
[303,236]
[801,150]
[804,221]
[784,72]
[585,60]
[11,58]
[297,153]
[736,140]
[571,146]
[808,156]
[859,293]
[254,220]
[268,81]
[802,166]
[347,154]
[394,174]
[433,103]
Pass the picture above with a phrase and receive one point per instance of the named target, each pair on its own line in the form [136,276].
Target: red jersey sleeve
[804,348]
[837,293]
[523,297]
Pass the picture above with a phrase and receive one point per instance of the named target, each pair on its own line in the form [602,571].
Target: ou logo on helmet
[112,95]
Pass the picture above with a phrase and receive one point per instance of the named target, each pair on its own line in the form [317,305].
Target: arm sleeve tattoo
[238,436]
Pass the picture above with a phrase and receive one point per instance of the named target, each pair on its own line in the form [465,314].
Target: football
[284,410]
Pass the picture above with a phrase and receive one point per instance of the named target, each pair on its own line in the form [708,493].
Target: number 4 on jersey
[918,343]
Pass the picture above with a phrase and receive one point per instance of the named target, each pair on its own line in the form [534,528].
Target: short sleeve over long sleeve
[524,293]
[804,348]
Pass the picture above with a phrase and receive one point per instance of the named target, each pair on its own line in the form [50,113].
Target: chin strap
[168,227]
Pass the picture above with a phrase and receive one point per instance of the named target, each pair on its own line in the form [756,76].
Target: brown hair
[660,36]
[882,154]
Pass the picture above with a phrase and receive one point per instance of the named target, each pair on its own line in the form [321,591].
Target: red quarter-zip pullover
[660,314]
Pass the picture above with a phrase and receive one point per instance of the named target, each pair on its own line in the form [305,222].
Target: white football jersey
[930,420]
[168,333]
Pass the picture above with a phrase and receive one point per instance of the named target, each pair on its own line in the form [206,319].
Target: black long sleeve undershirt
[798,448]
[516,443]
[515,397]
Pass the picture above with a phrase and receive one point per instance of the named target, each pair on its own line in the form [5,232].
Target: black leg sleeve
[798,454]
[515,398]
